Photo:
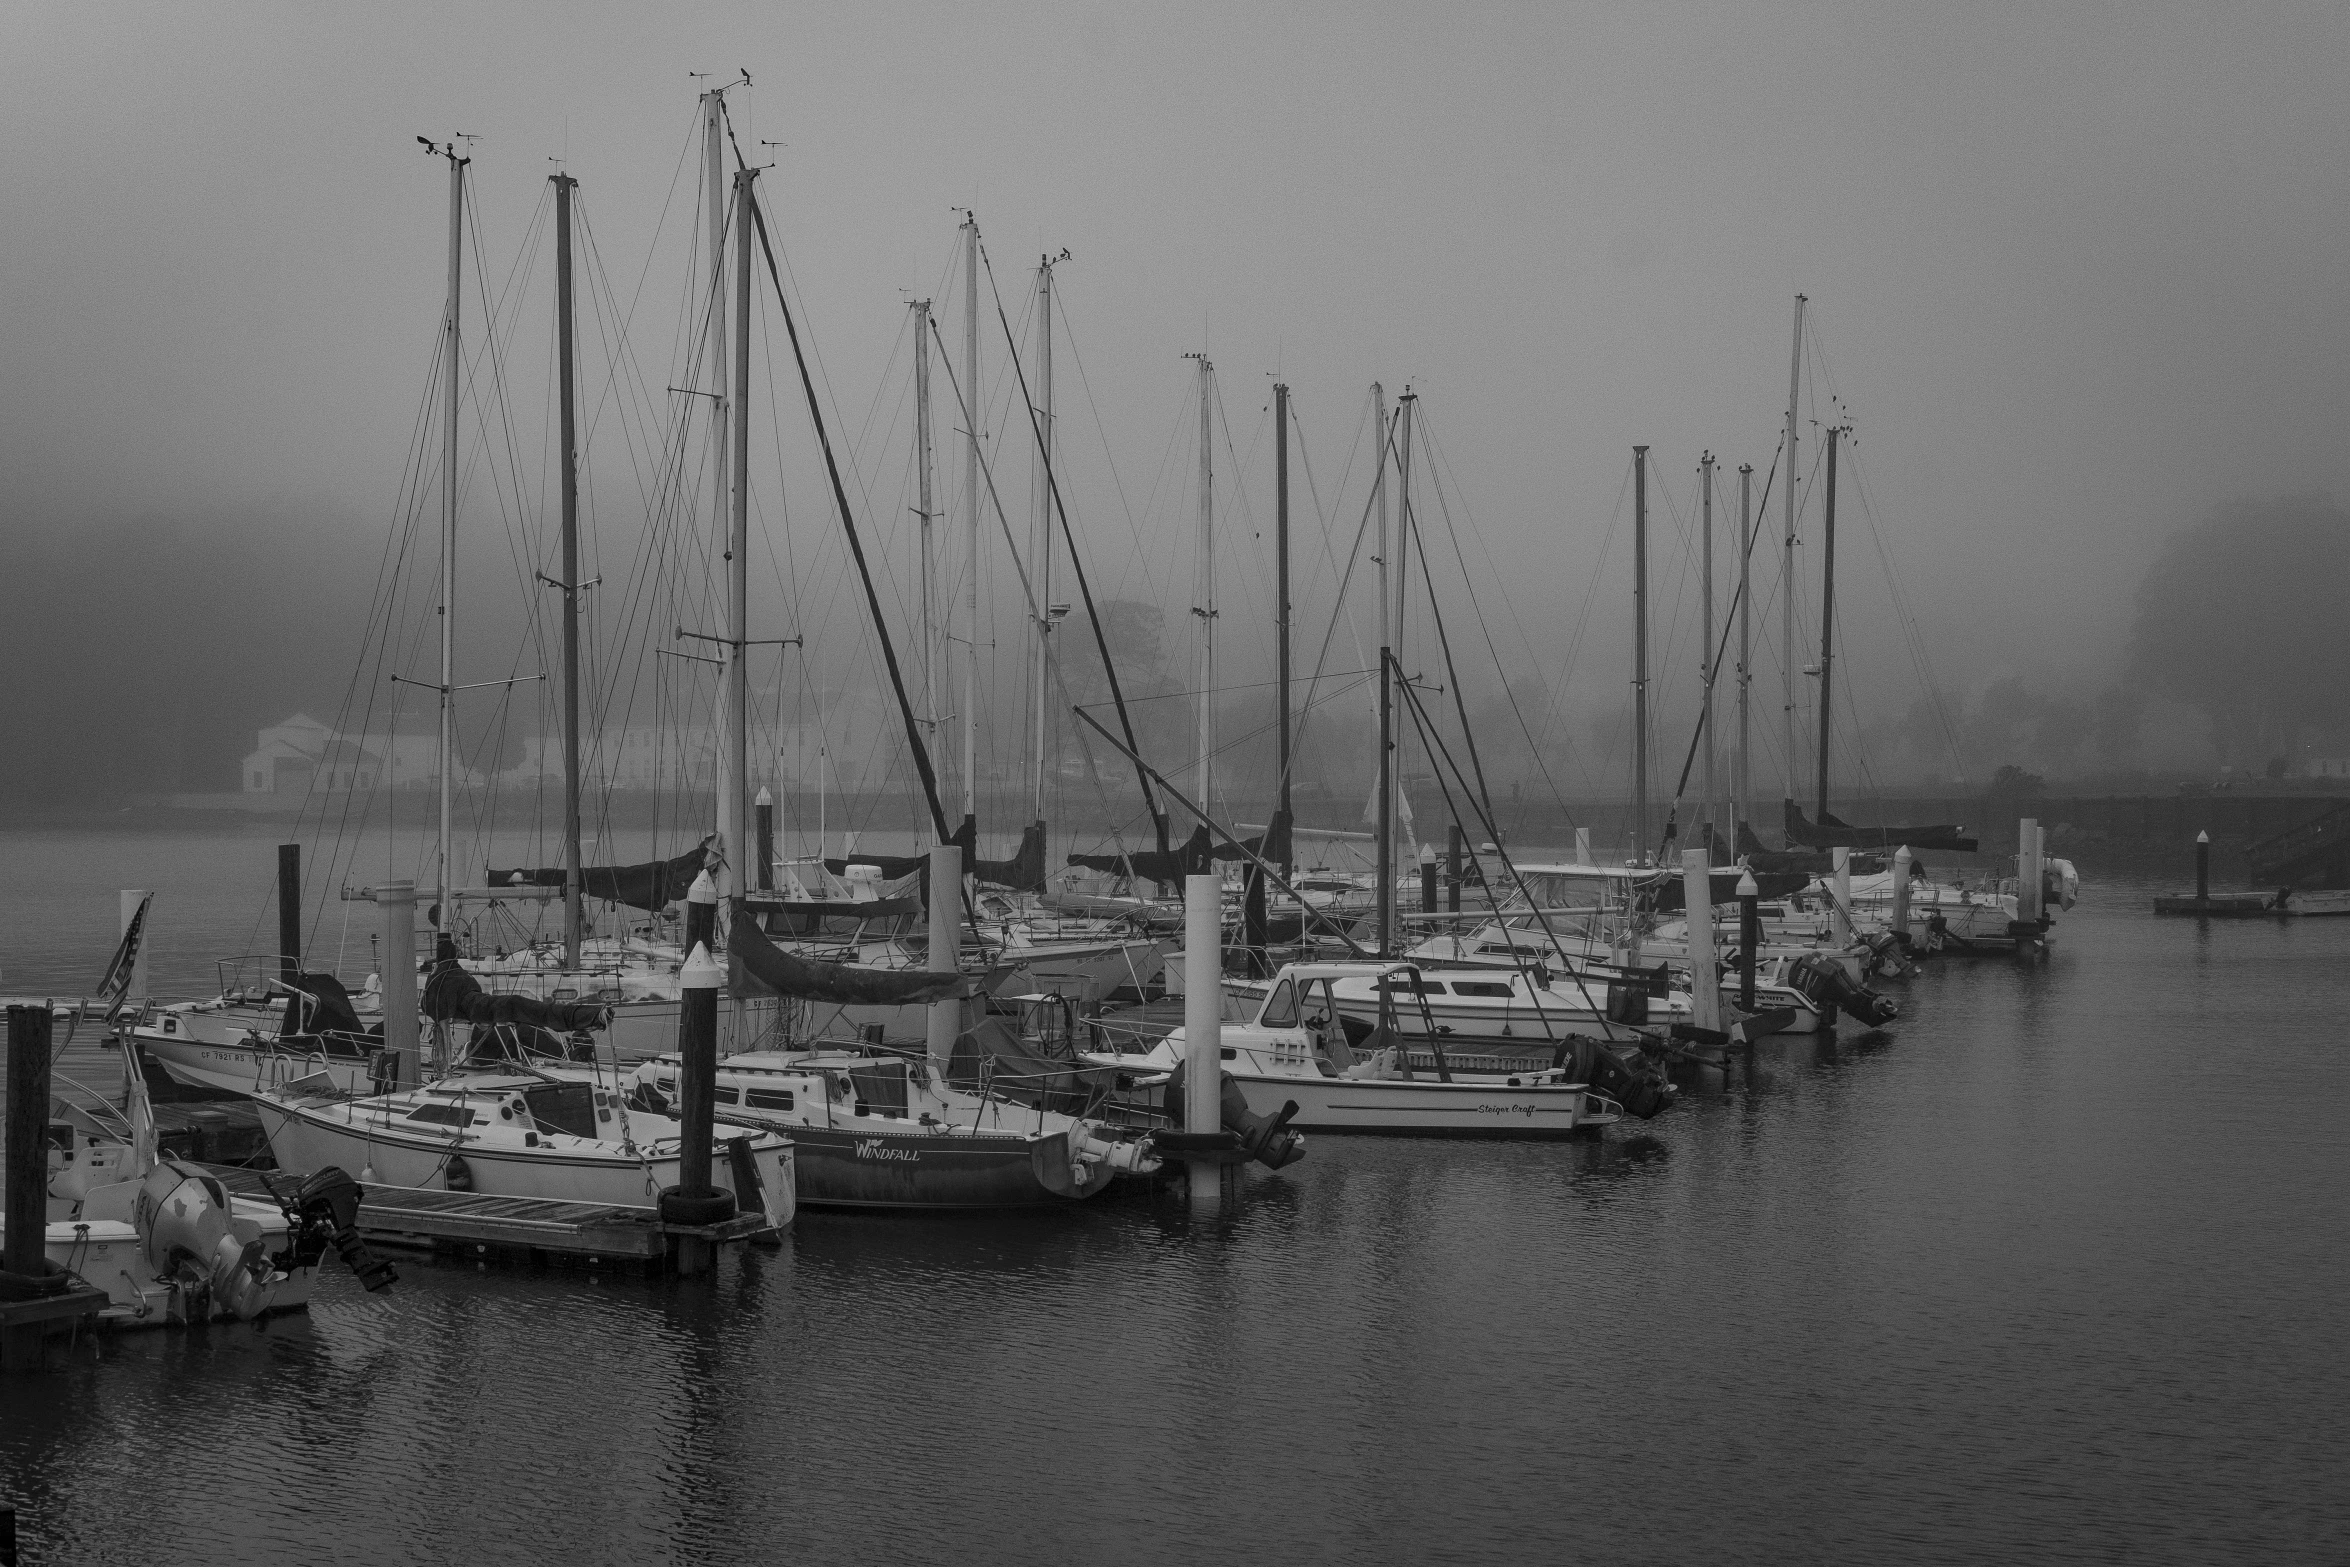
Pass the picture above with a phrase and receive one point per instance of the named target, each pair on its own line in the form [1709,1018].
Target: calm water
[2053,1269]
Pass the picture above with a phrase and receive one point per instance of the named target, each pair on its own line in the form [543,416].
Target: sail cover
[1023,872]
[650,886]
[1830,833]
[1194,858]
[767,968]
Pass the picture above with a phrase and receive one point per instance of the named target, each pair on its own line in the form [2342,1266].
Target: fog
[2074,286]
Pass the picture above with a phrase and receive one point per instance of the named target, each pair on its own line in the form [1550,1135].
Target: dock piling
[396,902]
[28,1141]
[765,814]
[1427,878]
[2203,867]
[945,1021]
[1899,919]
[1203,1033]
[1705,982]
[1749,937]
[289,912]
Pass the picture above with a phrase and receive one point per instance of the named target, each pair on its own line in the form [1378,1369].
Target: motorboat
[1302,1045]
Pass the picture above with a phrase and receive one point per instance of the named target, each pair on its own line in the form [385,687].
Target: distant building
[2327,767]
[300,754]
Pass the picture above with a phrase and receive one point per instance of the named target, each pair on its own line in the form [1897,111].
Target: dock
[2221,905]
[475,1224]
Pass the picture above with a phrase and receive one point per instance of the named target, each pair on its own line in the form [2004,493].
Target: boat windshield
[569,1108]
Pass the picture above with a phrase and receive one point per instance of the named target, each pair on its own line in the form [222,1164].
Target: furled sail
[1196,857]
[768,968]
[1023,872]
[1830,833]
[650,886]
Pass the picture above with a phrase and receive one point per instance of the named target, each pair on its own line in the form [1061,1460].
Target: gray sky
[2076,270]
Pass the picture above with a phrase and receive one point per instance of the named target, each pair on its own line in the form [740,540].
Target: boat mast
[1041,547]
[1206,611]
[1403,559]
[1827,617]
[1640,655]
[1281,626]
[1386,806]
[738,548]
[1742,772]
[1705,659]
[449,357]
[971,522]
[566,393]
[1787,560]
[934,653]
[731,763]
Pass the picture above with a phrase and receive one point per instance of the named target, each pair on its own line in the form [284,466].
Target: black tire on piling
[677,1208]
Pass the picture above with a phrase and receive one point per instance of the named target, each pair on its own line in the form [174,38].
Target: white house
[300,754]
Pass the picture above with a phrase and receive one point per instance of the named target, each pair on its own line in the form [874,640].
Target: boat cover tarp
[881,1084]
[994,1056]
[453,995]
[1769,884]
[1818,862]
[1023,872]
[319,1005]
[1831,833]
[651,886]
[768,968]
[1194,857]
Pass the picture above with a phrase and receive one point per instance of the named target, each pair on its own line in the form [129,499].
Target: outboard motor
[1825,984]
[325,1209]
[1633,1075]
[1266,1138]
[212,1260]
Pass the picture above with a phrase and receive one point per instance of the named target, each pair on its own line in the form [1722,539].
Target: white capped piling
[1840,878]
[764,811]
[1900,916]
[2203,867]
[697,1085]
[1705,981]
[946,903]
[2027,871]
[395,902]
[1427,878]
[1749,937]
[1203,1003]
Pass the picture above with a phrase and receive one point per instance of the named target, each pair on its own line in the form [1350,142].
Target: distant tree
[2240,616]
[2011,781]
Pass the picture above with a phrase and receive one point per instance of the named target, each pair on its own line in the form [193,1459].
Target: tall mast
[449,355]
[1827,616]
[934,658]
[1386,808]
[1396,578]
[1705,658]
[971,520]
[1640,655]
[1041,547]
[736,781]
[1742,771]
[1787,670]
[1281,602]
[566,392]
[1207,586]
[730,764]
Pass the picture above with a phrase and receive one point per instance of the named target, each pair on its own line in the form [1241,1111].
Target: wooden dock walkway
[475,1224]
